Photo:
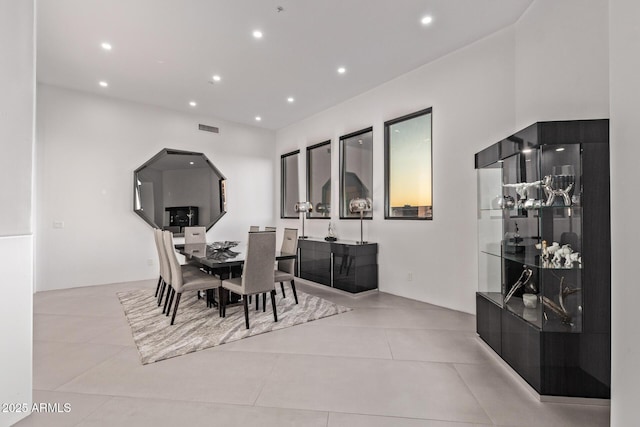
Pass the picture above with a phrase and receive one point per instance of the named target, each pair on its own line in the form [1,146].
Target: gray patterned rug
[198,327]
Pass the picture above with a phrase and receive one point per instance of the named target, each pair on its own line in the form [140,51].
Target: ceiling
[165,52]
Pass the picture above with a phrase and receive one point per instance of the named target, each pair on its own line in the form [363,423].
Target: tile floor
[389,362]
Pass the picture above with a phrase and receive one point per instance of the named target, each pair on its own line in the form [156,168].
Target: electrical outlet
[410,276]
[58,224]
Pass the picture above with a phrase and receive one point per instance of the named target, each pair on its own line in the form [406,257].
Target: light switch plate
[58,224]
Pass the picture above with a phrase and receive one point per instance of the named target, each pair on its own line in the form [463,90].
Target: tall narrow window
[319,179]
[289,193]
[356,170]
[407,171]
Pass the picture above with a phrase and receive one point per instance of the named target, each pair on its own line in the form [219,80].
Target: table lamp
[303,208]
[360,206]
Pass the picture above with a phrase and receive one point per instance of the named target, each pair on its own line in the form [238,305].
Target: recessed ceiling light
[216,78]
[191,163]
[103,84]
[257,34]
[106,46]
[290,99]
[258,118]
[342,70]
[426,20]
[193,103]
[526,150]
[560,149]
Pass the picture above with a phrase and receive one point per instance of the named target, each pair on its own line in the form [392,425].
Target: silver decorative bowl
[221,246]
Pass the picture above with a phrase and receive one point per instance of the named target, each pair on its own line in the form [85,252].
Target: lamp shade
[360,205]
[303,207]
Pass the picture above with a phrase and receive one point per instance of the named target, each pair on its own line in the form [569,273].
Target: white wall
[625,152]
[562,61]
[550,65]
[17,88]
[87,148]
[472,95]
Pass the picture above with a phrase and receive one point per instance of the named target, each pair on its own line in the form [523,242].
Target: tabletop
[206,255]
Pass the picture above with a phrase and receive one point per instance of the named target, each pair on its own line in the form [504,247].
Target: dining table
[221,255]
[224,259]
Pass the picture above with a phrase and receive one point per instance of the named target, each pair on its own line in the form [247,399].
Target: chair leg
[223,302]
[175,309]
[264,301]
[168,309]
[246,311]
[220,301]
[273,304]
[257,302]
[282,288]
[158,287]
[293,288]
[164,285]
[166,299]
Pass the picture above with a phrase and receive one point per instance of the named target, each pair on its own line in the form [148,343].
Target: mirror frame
[169,151]
[314,213]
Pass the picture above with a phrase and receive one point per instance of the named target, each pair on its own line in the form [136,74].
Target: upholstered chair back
[165,271]
[195,235]
[174,265]
[257,274]
[289,245]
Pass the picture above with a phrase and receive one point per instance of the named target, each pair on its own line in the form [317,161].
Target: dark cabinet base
[346,266]
[553,363]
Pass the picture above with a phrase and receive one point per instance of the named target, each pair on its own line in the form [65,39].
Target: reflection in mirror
[408,188]
[356,170]
[289,193]
[177,189]
[319,179]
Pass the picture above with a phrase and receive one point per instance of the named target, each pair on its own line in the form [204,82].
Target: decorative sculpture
[551,181]
[522,280]
[559,309]
[522,188]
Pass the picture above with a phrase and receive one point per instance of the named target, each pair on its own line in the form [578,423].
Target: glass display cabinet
[543,302]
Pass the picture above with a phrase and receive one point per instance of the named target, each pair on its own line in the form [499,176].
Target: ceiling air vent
[208,128]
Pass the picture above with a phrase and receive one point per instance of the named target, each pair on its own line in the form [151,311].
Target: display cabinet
[543,302]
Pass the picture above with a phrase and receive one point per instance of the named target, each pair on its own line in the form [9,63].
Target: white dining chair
[285,272]
[257,273]
[183,278]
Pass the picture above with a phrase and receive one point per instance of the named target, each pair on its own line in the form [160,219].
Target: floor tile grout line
[123,349]
[333,356]
[386,336]
[410,418]
[110,398]
[459,374]
[264,380]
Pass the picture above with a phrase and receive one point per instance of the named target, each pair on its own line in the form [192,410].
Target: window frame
[308,172]
[342,148]
[283,180]
[387,161]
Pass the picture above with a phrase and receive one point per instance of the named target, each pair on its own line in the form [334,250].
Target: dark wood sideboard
[348,266]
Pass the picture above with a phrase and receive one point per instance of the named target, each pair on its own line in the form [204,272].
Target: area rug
[198,327]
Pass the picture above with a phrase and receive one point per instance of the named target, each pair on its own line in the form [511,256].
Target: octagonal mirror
[177,189]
